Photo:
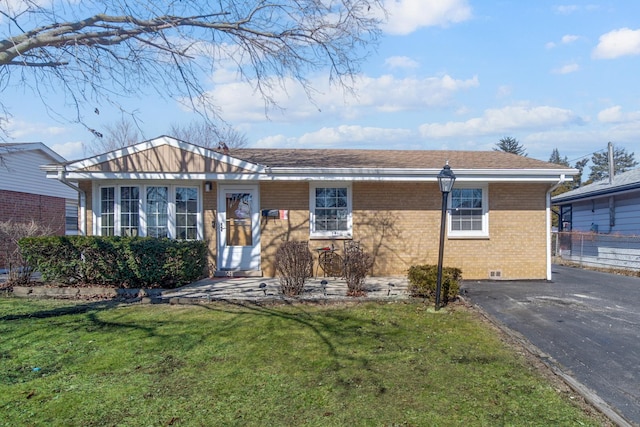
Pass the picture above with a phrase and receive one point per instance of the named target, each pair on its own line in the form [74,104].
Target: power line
[586,155]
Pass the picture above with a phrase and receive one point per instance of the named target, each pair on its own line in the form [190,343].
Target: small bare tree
[294,265]
[357,264]
[122,133]
[205,134]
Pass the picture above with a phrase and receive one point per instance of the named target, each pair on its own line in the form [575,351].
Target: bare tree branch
[95,51]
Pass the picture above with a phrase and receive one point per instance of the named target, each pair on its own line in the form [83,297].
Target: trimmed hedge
[125,262]
[423,278]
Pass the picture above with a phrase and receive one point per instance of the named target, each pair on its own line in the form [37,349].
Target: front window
[107,211]
[186,213]
[129,211]
[468,214]
[330,208]
[155,211]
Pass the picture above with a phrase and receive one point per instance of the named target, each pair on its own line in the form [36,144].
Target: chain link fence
[609,251]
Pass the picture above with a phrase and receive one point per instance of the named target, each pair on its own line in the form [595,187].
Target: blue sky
[448,74]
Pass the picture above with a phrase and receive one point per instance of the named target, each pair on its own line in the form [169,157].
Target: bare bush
[357,263]
[294,264]
[19,272]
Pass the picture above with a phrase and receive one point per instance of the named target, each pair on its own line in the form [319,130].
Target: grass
[367,364]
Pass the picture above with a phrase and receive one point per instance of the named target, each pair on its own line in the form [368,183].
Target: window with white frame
[186,213]
[129,211]
[330,210]
[468,214]
[107,211]
[155,210]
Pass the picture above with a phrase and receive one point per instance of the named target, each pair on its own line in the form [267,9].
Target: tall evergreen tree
[580,164]
[510,145]
[555,158]
[622,162]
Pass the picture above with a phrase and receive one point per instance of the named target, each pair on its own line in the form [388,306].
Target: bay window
[171,211]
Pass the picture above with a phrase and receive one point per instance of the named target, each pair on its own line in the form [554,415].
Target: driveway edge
[589,395]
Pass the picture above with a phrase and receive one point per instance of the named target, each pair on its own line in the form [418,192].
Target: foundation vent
[495,274]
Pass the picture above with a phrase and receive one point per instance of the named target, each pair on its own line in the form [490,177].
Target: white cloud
[240,103]
[70,150]
[340,136]
[567,69]
[616,115]
[401,62]
[406,16]
[569,38]
[566,9]
[566,39]
[33,131]
[618,43]
[497,121]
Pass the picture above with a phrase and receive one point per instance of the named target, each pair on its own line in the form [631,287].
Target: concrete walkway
[249,289]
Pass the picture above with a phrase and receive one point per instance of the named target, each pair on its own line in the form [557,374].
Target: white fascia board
[75,176]
[361,175]
[157,142]
[463,175]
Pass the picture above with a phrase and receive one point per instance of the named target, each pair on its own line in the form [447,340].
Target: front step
[238,273]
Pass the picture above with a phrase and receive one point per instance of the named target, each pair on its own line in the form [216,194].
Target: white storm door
[238,224]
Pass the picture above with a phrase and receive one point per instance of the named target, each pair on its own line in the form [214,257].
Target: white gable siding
[20,171]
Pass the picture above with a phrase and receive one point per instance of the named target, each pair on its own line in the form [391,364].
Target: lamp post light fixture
[446,178]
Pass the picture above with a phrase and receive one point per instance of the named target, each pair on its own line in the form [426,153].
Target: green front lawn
[371,364]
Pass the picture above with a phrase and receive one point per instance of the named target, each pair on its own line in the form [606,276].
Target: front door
[238,228]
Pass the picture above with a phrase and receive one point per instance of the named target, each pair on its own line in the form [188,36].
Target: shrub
[357,264]
[294,265]
[125,262]
[10,234]
[423,278]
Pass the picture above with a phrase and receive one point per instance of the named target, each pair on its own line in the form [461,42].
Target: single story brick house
[246,202]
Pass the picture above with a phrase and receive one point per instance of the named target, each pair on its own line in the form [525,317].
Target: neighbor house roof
[14,147]
[623,182]
[310,164]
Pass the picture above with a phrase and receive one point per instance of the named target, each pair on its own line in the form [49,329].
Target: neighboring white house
[604,218]
[26,194]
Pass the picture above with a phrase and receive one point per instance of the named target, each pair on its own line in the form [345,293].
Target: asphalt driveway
[584,322]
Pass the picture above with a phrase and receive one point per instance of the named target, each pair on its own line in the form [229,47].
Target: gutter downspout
[83,201]
[548,211]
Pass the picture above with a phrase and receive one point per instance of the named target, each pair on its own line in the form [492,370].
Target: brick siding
[399,224]
[24,207]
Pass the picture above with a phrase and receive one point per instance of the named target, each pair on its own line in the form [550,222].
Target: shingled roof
[401,159]
[626,181]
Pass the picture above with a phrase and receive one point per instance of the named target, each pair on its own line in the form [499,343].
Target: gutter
[561,181]
[83,200]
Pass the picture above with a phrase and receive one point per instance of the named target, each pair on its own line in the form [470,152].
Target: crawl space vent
[495,274]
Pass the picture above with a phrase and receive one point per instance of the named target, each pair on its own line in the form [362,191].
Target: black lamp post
[446,178]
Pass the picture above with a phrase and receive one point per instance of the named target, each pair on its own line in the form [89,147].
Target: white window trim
[346,234]
[97,213]
[471,234]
